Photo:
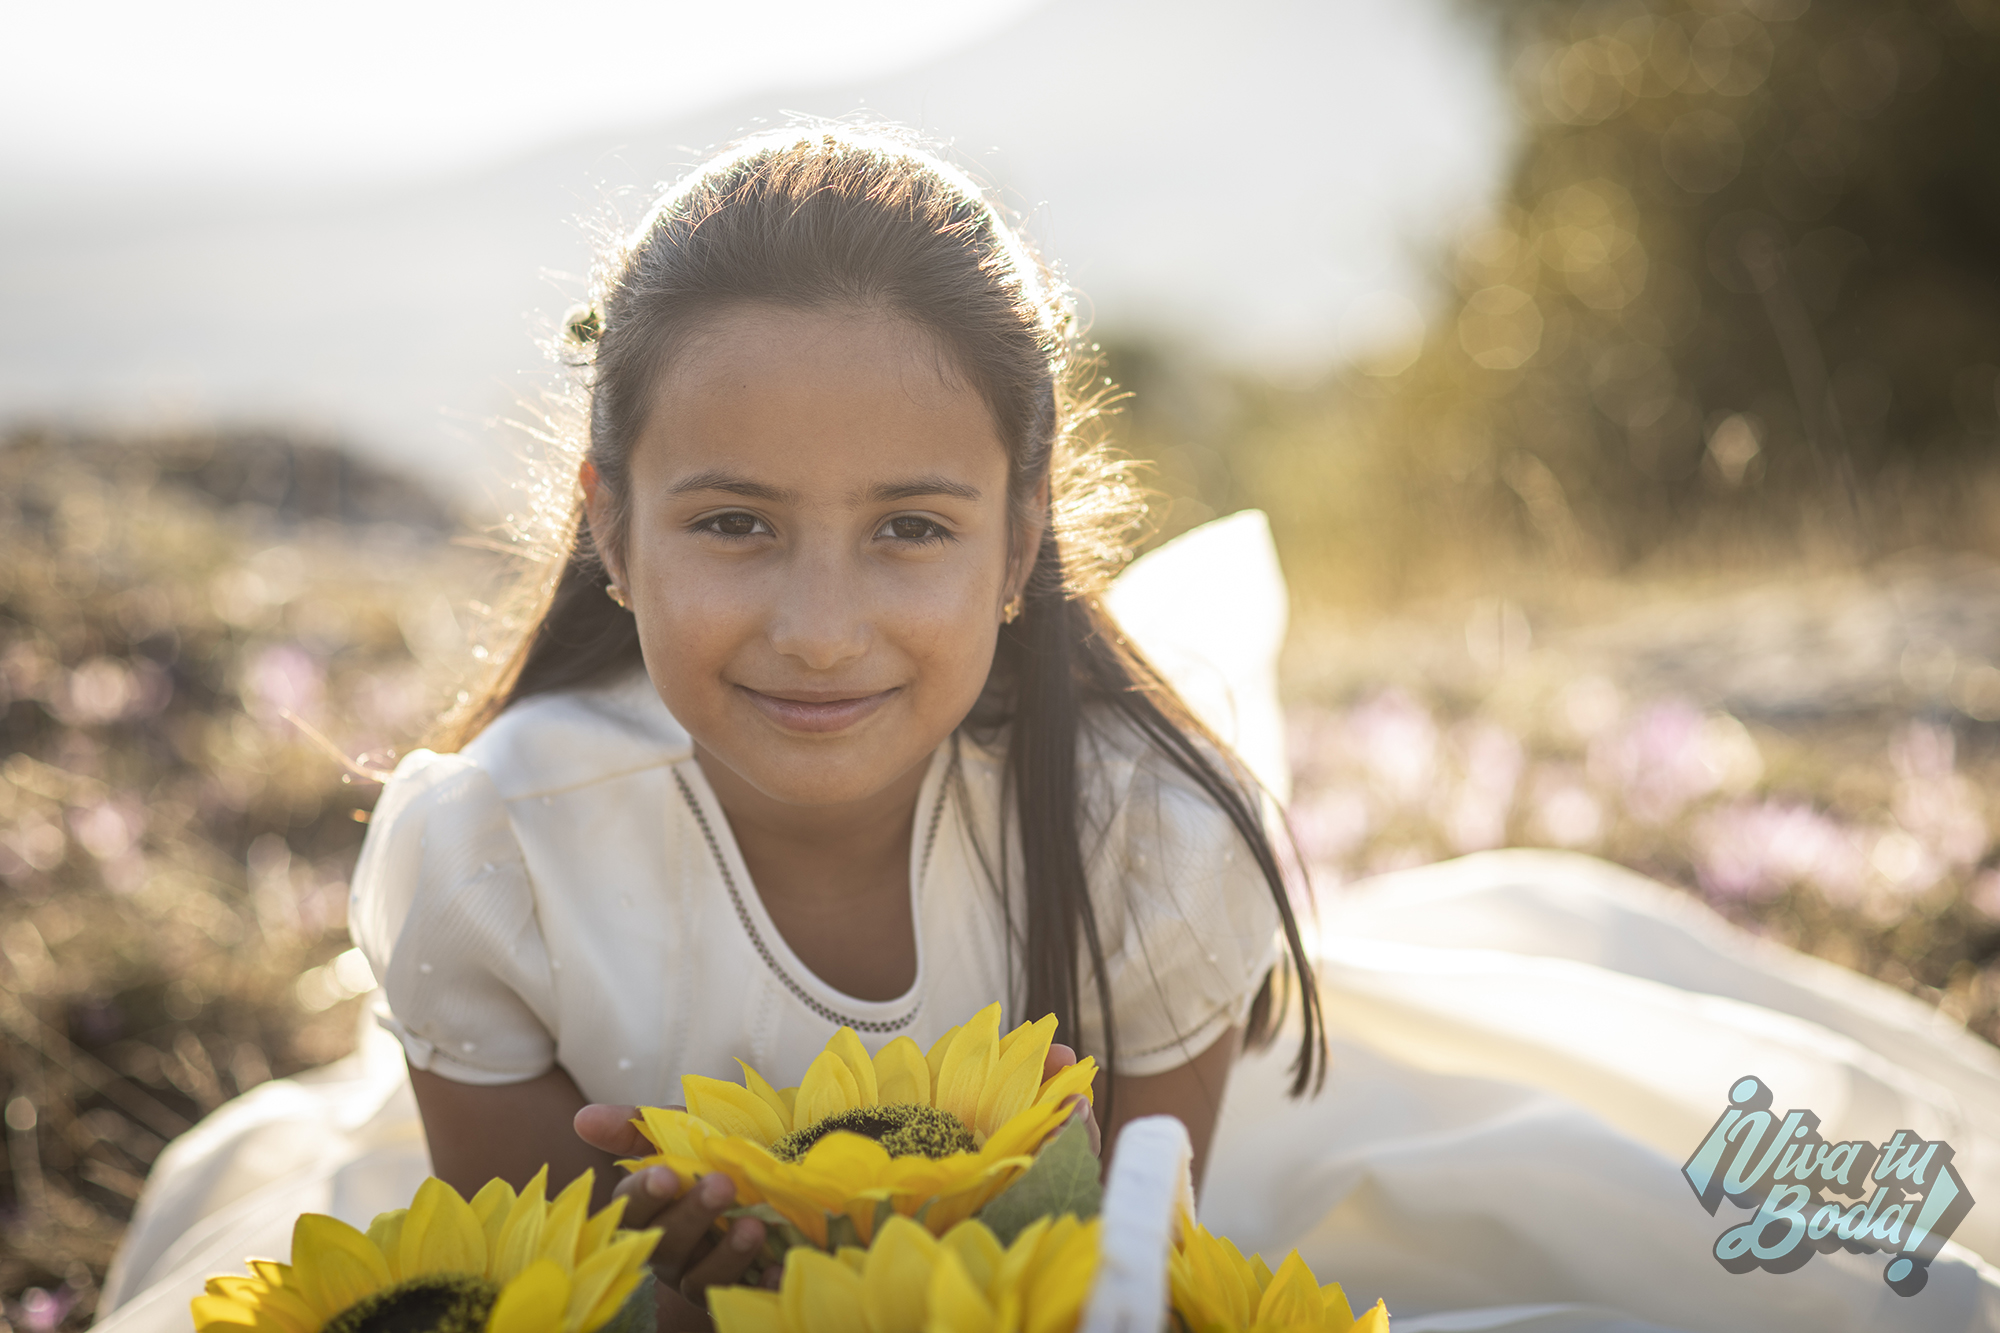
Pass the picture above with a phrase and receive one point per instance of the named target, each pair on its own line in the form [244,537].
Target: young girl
[823,722]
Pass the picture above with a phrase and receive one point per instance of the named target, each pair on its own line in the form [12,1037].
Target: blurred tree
[1749,258]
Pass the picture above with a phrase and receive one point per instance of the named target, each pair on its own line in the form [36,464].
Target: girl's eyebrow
[717,480]
[890,492]
[887,492]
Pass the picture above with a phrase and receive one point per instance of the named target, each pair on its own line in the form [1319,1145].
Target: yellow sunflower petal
[441,1234]
[532,1302]
[1375,1320]
[1023,1134]
[221,1312]
[745,1310]
[820,1294]
[1070,1081]
[387,1233]
[1016,1079]
[490,1206]
[953,1205]
[614,1297]
[1338,1312]
[769,1095]
[564,1227]
[1060,1279]
[957,1302]
[597,1232]
[236,1287]
[666,1129]
[895,1279]
[597,1272]
[902,1075]
[333,1265]
[828,1088]
[521,1235]
[977,1248]
[855,1162]
[1022,1255]
[268,1295]
[934,1058]
[859,1063]
[968,1064]
[733,1109]
[1293,1296]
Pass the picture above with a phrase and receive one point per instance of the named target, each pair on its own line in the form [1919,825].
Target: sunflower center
[439,1303]
[905,1130]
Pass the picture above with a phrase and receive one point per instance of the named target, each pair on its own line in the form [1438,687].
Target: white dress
[1525,1045]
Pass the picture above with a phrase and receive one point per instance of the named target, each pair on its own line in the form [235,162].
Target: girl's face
[817,551]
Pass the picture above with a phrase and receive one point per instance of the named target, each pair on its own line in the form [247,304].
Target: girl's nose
[820,618]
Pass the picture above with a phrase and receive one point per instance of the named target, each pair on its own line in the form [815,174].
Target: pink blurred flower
[1395,740]
[1984,894]
[1754,851]
[1565,811]
[1330,823]
[284,678]
[1672,754]
[1490,760]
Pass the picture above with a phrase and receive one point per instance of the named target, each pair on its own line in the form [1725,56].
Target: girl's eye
[912,528]
[734,525]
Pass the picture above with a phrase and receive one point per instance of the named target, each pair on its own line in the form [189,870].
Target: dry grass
[173,852]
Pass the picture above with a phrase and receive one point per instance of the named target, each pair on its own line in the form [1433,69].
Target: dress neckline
[805,985]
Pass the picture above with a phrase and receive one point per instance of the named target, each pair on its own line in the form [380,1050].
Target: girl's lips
[815,715]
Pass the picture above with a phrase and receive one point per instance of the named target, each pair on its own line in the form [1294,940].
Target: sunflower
[1217,1290]
[503,1263]
[909,1282]
[930,1136]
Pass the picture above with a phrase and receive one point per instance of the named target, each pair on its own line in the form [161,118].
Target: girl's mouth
[820,715]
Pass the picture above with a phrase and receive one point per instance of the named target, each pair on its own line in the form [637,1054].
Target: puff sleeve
[1189,925]
[444,911]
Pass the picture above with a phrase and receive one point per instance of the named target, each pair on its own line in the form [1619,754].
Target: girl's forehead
[769,341]
[845,395]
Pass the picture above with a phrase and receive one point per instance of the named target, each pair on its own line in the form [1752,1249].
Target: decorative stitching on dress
[1181,1041]
[763,950]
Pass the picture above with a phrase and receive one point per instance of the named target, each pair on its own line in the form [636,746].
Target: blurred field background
[1669,531]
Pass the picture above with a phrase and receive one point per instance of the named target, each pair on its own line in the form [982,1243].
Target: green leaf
[639,1313]
[1062,1180]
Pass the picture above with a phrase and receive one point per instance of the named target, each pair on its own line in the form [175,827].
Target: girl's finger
[686,1224]
[647,1194]
[1080,1107]
[609,1127]
[1059,1058]
[727,1262]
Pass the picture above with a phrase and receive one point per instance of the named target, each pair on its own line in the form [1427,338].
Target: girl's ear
[597,511]
[1028,543]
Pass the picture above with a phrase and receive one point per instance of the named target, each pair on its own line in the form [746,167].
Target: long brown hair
[830,216]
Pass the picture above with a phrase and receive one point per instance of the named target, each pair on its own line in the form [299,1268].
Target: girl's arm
[1192,1094]
[511,1131]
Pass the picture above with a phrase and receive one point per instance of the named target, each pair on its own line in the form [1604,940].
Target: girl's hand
[1059,1058]
[692,1256]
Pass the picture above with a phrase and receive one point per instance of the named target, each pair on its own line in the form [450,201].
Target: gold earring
[1012,611]
[617,594]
